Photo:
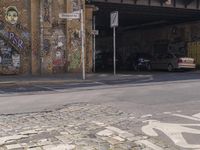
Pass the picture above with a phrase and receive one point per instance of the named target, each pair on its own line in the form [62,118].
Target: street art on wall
[14,38]
[2,25]
[58,48]
[9,58]
[75,5]
[46,7]
[11,15]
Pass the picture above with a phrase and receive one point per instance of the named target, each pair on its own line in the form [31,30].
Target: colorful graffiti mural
[12,15]
[14,38]
[58,48]
[9,58]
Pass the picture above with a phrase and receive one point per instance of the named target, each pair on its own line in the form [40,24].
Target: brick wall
[35,40]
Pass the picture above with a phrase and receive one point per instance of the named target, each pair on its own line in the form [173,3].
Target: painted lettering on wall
[15,40]
[46,6]
[9,58]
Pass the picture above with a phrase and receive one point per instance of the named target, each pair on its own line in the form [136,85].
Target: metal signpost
[83,44]
[94,33]
[78,15]
[114,22]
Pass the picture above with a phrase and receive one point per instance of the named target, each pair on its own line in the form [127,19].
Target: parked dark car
[171,61]
[139,61]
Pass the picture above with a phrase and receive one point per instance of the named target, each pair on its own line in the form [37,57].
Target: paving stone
[9,138]
[112,141]
[77,126]
[13,147]
[114,129]
[65,138]
[126,135]
[99,123]
[105,133]
[29,132]
[35,148]
[62,147]
[118,138]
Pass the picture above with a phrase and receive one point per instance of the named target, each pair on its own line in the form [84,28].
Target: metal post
[94,45]
[114,52]
[83,44]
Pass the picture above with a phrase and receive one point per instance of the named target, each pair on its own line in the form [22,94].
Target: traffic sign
[114,19]
[69,15]
[95,32]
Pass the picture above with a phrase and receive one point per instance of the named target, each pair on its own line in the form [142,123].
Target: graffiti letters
[75,5]
[46,6]
[46,46]
[15,40]
[2,25]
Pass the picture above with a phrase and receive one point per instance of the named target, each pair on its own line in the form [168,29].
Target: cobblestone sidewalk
[74,127]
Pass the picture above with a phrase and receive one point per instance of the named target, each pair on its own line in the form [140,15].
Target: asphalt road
[166,106]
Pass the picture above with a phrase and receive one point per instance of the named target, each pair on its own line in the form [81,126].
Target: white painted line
[197,115]
[178,111]
[186,117]
[149,145]
[146,116]
[166,113]
[173,131]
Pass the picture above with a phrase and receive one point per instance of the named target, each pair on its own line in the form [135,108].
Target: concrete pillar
[35,37]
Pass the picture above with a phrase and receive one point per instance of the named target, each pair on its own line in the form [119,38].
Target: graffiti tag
[15,40]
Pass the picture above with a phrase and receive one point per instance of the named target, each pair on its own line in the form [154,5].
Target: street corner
[76,126]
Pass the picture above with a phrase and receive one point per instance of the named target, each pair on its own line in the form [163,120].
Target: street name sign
[69,15]
[95,32]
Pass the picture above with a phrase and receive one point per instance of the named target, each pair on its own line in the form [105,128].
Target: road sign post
[83,44]
[94,33]
[114,22]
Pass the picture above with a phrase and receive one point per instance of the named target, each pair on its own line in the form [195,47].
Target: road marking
[149,144]
[197,115]
[166,113]
[173,131]
[146,116]
[186,117]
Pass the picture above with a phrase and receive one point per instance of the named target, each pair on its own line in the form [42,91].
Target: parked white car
[170,62]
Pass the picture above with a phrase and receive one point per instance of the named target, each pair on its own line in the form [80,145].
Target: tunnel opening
[143,31]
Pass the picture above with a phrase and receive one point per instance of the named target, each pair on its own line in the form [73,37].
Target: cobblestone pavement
[80,126]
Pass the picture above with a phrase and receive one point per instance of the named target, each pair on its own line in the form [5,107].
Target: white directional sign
[114,19]
[95,32]
[69,15]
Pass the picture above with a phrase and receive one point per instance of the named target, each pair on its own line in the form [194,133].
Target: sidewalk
[68,78]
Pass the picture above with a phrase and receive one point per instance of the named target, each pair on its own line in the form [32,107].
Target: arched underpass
[144,27]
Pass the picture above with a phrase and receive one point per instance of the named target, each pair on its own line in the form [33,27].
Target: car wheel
[149,68]
[170,68]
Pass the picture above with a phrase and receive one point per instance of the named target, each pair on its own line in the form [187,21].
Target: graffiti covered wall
[33,39]
[14,37]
